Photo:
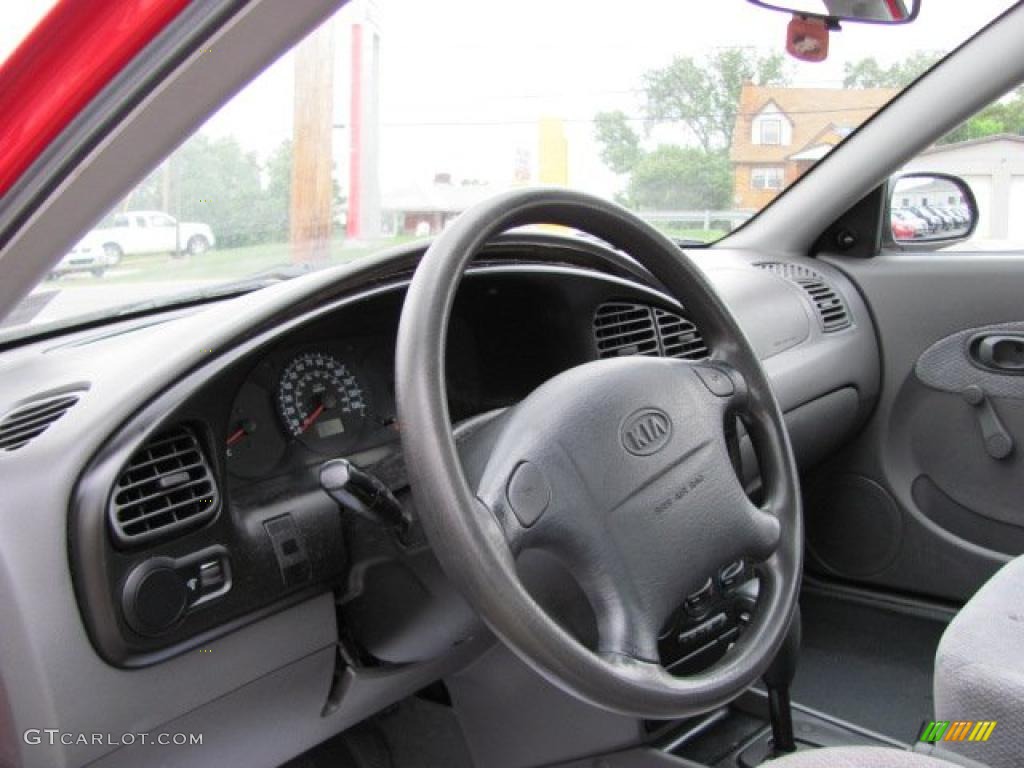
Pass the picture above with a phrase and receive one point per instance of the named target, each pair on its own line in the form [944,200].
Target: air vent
[831,308]
[167,487]
[28,421]
[628,328]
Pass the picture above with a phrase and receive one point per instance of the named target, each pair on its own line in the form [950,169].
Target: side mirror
[870,11]
[928,211]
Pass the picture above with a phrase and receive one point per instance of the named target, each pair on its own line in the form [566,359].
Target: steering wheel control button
[704,632]
[716,380]
[731,576]
[698,603]
[154,599]
[528,492]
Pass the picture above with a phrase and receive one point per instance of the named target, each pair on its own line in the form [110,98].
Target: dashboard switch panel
[160,591]
[289,550]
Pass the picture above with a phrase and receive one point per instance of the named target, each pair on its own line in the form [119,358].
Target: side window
[160,220]
[140,221]
[766,177]
[987,152]
[121,221]
[771,131]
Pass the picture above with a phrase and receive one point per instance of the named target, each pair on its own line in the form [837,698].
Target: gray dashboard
[272,668]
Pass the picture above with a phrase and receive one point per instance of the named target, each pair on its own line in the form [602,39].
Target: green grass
[224,264]
[703,235]
[229,263]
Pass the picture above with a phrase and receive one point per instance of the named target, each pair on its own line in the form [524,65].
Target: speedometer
[320,400]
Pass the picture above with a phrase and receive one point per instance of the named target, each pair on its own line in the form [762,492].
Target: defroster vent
[830,306]
[166,487]
[631,328]
[30,420]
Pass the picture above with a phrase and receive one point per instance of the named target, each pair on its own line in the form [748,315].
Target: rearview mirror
[930,210]
[870,11]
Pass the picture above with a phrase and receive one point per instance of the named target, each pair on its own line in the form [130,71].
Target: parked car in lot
[960,218]
[88,255]
[903,231]
[906,226]
[133,233]
[948,222]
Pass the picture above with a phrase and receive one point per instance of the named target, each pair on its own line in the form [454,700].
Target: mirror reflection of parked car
[903,231]
[934,221]
[948,222]
[961,218]
[910,226]
[140,232]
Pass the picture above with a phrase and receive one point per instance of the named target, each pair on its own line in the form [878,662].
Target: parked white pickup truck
[138,232]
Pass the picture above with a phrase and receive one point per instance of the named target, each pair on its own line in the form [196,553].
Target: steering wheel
[620,468]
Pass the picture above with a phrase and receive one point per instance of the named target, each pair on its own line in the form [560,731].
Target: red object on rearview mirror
[807,38]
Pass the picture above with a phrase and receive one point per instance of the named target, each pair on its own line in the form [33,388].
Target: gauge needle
[245,428]
[308,421]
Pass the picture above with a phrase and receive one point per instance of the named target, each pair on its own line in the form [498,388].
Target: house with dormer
[781,132]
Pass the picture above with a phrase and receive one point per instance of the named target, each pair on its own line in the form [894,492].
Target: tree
[705,95]
[279,190]
[219,183]
[1003,116]
[215,181]
[868,73]
[681,178]
[620,145]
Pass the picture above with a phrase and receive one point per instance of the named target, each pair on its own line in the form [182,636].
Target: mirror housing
[866,11]
[928,211]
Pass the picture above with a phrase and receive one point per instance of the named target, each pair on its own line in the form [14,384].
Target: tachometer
[254,443]
[320,400]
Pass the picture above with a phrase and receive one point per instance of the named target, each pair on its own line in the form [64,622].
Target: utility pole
[312,199]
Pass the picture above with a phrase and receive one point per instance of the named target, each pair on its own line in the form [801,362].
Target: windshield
[396,115]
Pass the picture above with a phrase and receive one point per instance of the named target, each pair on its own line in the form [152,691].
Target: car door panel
[921,502]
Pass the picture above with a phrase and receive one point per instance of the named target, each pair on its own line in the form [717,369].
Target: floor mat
[421,734]
[870,666]
[412,734]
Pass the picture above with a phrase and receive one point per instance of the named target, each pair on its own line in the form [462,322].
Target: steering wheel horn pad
[620,468]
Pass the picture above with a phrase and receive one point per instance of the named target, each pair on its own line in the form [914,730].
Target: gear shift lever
[777,678]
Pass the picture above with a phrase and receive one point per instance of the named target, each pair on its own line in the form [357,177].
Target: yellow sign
[553,155]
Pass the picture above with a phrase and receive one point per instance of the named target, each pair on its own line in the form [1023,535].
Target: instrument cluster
[305,404]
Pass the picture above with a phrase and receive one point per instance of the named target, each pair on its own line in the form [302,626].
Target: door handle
[1001,352]
[998,441]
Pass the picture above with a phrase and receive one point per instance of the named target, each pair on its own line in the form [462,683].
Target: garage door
[1016,229]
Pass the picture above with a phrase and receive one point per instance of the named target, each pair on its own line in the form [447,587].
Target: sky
[463,82]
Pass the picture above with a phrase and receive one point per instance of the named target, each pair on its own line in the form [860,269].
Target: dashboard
[192,548]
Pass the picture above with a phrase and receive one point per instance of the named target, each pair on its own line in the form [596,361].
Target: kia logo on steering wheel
[647,431]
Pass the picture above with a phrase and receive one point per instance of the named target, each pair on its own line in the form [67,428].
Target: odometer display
[320,400]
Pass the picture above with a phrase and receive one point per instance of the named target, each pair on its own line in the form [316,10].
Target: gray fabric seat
[858,757]
[979,668]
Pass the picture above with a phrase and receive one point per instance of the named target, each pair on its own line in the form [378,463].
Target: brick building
[781,132]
